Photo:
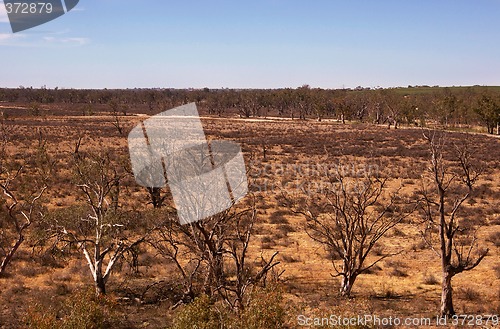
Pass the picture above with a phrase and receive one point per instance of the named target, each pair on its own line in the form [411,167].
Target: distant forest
[447,107]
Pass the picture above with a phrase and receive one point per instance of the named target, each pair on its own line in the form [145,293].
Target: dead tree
[117,123]
[169,239]
[116,108]
[23,187]
[392,102]
[100,231]
[448,185]
[209,253]
[20,216]
[349,218]
[209,237]
[245,276]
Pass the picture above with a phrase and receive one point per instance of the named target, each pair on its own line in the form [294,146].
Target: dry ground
[403,285]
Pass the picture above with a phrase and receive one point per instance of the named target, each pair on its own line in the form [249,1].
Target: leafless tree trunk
[157,199]
[117,123]
[210,250]
[22,209]
[349,219]
[172,244]
[99,235]
[21,219]
[441,207]
[234,291]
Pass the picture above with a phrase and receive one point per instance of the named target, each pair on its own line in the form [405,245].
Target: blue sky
[257,44]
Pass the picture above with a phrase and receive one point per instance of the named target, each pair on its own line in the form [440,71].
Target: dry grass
[403,285]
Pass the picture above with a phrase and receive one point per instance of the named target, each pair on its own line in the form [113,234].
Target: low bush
[470,294]
[264,310]
[494,238]
[201,314]
[79,310]
[430,279]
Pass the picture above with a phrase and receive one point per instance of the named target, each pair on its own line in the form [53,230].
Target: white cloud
[67,41]
[10,38]
[33,40]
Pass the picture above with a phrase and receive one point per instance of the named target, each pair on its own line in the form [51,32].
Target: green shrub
[265,310]
[81,310]
[200,314]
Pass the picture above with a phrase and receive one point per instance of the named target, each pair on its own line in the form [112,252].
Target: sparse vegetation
[155,285]
[452,184]
[430,279]
[470,294]
[265,310]
[80,310]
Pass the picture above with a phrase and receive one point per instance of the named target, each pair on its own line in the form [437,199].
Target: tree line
[421,106]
